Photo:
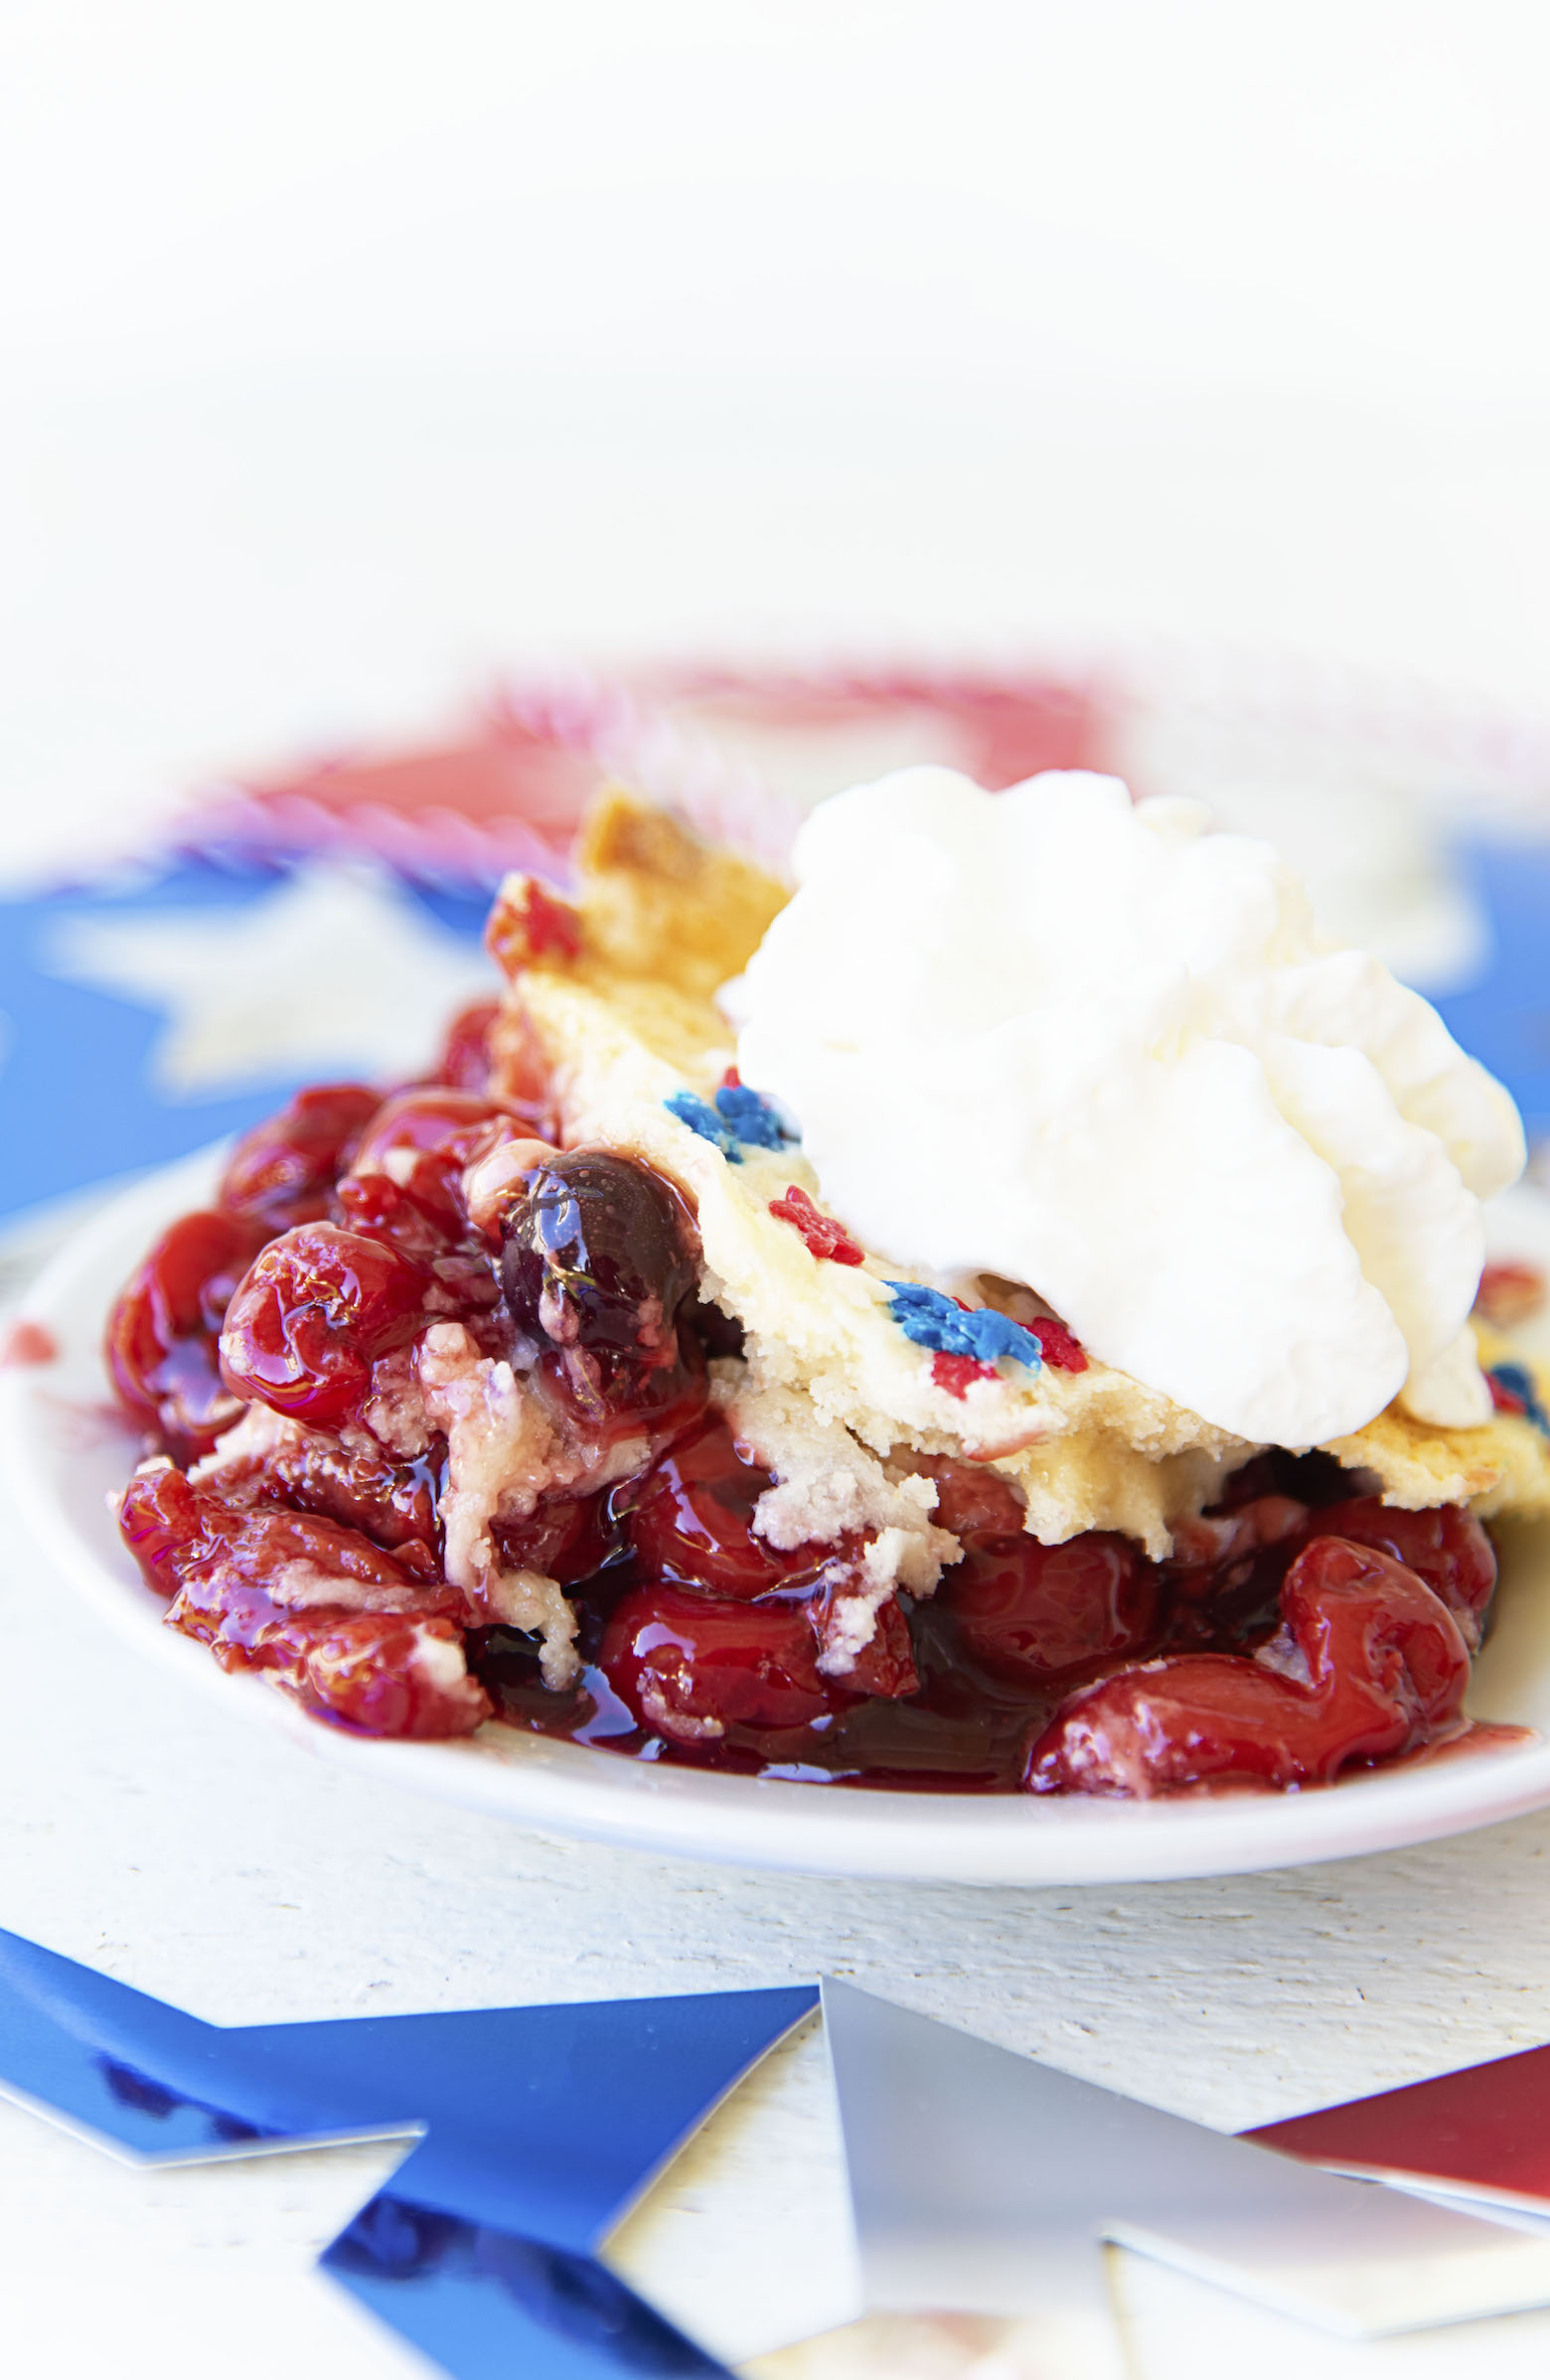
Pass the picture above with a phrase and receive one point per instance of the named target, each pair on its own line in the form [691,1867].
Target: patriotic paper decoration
[1482,2132]
[153,1011]
[1503,1016]
[327,920]
[987,2182]
[982,2183]
[535,2130]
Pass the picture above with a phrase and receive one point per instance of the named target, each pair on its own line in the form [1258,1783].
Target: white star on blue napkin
[147,1013]
[336,971]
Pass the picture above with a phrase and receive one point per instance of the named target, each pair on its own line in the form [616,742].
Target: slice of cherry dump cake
[574,1389]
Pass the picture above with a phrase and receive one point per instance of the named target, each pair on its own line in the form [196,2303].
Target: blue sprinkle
[705,1121]
[752,1118]
[932,1319]
[1519,1382]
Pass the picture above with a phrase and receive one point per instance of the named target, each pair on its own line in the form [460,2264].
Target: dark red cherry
[373,1203]
[613,1400]
[568,1538]
[1039,1614]
[1369,1663]
[598,1257]
[316,1308]
[371,1644]
[281,1172]
[693,1523]
[358,1486]
[1448,1548]
[422,1141]
[974,1501]
[162,1335]
[691,1668]
[464,1063]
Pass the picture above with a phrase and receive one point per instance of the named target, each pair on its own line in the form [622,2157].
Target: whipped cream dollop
[1098,1048]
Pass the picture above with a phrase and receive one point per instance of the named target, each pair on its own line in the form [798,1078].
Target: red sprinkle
[955,1372]
[827,1238]
[731,1080]
[1502,1398]
[1061,1350]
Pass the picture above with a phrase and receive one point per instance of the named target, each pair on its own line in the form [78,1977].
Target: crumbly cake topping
[619,999]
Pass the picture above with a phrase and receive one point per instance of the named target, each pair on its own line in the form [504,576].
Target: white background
[350,348]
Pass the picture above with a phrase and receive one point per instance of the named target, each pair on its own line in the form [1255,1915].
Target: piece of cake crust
[613,992]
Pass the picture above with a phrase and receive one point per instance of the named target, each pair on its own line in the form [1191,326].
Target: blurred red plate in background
[742,753]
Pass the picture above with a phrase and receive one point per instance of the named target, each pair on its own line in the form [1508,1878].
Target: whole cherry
[316,1308]
[281,1172]
[692,1520]
[161,1343]
[597,1262]
[1039,1615]
[695,1669]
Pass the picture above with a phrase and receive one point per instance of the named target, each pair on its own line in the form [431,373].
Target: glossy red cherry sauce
[1297,1631]
[1299,1627]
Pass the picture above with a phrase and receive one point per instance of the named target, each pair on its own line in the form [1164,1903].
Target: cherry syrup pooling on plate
[1294,1629]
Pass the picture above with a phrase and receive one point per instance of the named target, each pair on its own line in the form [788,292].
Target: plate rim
[553,1787]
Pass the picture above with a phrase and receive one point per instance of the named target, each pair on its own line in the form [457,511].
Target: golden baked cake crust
[615,991]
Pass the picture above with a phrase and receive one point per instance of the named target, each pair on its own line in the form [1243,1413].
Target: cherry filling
[692,1522]
[731,1642]
[283,1171]
[1294,1629]
[163,1333]
[316,1308]
[464,1064]
[704,1671]
[1049,1616]
[422,1141]
[1369,1662]
[351,1634]
[358,1485]
[575,1539]
[597,1264]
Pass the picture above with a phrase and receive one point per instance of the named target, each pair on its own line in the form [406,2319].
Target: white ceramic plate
[63,1452]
